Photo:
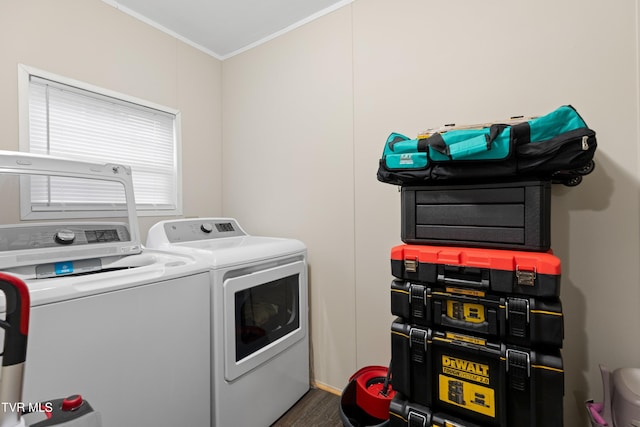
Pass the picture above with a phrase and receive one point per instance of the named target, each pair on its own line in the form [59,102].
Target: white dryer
[259,304]
[125,327]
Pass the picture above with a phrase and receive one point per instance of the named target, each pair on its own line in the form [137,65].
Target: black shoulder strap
[494,131]
[395,140]
[436,142]
[520,134]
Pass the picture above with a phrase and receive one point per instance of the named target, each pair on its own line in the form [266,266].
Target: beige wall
[93,42]
[303,119]
[306,116]
[288,168]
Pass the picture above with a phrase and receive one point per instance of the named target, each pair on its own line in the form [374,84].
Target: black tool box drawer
[509,215]
[488,383]
[527,322]
[403,413]
[535,274]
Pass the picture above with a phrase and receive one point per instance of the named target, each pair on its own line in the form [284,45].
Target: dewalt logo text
[465,369]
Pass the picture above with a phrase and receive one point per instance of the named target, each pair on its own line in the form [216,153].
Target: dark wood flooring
[317,408]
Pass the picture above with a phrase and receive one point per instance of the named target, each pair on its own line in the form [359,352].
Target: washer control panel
[201,229]
[37,236]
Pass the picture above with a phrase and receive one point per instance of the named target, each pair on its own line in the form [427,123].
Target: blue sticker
[63,267]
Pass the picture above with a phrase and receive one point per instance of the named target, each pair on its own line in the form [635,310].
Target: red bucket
[370,382]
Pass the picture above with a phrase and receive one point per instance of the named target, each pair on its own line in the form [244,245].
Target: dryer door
[265,312]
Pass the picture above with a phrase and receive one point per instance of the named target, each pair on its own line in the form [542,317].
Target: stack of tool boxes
[480,327]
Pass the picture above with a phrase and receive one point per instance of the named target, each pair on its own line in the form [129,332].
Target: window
[74,120]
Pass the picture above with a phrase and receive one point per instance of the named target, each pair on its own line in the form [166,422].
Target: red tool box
[535,274]
[527,321]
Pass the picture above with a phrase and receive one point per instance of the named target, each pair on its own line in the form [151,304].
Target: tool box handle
[16,322]
[455,275]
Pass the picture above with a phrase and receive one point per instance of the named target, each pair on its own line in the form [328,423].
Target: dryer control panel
[189,230]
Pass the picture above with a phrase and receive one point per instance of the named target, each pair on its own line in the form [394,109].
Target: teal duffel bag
[558,146]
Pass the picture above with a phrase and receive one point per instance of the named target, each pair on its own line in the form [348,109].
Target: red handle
[16,323]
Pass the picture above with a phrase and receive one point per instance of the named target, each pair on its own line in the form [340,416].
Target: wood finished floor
[317,408]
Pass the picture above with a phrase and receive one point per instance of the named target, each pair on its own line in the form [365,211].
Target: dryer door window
[265,312]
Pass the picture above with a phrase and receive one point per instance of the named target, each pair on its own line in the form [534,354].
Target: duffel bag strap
[465,148]
[520,134]
[395,138]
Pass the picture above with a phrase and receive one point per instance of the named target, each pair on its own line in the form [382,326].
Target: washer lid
[28,243]
[241,250]
[142,269]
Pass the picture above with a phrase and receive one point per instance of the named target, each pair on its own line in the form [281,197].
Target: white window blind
[76,123]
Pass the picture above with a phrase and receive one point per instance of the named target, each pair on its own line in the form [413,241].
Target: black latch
[517,315]
[418,345]
[417,420]
[417,301]
[518,369]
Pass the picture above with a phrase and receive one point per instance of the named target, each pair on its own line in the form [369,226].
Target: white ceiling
[223,28]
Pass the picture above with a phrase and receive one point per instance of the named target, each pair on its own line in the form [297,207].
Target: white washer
[260,341]
[126,328]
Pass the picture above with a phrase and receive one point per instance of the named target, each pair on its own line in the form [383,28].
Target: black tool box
[506,215]
[403,413]
[535,274]
[489,383]
[528,322]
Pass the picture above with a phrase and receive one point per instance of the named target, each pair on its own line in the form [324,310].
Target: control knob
[65,237]
[72,403]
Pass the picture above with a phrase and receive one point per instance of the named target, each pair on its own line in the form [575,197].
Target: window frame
[25,73]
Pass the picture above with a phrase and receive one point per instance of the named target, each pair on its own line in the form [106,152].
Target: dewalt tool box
[527,321]
[507,215]
[403,413]
[535,274]
[492,384]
